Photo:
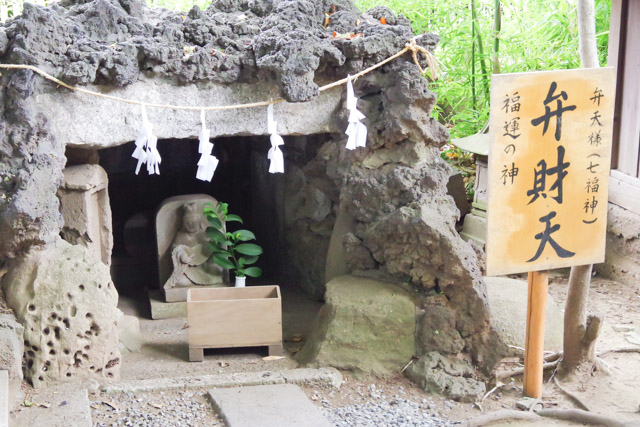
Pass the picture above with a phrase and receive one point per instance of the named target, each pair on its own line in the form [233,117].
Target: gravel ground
[160,409]
[380,409]
[374,407]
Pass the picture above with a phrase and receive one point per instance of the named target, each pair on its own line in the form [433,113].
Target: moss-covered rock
[366,326]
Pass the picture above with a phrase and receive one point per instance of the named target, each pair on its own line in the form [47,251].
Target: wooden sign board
[548,169]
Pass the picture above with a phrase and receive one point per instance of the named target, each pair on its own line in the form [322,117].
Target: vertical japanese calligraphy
[548,169]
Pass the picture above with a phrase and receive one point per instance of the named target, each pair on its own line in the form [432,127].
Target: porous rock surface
[65,299]
[446,375]
[393,191]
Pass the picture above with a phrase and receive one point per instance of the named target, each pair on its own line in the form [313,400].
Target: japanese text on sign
[548,169]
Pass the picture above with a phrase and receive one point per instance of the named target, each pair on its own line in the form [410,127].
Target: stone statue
[191,256]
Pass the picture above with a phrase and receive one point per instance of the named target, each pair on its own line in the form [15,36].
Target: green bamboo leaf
[253,271]
[248,249]
[224,263]
[232,217]
[244,235]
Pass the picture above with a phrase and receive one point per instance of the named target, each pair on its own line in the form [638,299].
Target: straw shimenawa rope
[412,47]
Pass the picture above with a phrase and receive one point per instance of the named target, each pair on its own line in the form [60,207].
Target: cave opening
[134,200]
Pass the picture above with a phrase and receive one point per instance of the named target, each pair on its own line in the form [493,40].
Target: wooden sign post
[548,183]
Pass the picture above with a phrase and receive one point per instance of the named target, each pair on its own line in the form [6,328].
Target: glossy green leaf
[248,249]
[232,217]
[216,235]
[222,262]
[214,221]
[253,271]
[244,235]
[221,252]
[249,260]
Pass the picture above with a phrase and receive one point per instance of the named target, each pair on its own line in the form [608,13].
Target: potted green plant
[230,250]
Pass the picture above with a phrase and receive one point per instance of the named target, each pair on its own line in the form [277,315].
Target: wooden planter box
[234,317]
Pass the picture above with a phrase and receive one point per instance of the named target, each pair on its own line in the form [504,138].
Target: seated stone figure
[191,257]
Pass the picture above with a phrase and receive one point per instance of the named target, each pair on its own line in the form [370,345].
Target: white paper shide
[275,155]
[357,131]
[146,147]
[208,162]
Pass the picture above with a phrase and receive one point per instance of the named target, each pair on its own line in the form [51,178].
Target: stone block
[283,405]
[313,377]
[165,310]
[365,325]
[84,204]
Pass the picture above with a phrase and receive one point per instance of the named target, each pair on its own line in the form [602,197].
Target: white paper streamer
[275,155]
[146,147]
[357,131]
[208,163]
[204,132]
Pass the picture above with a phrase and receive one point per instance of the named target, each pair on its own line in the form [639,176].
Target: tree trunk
[580,330]
[587,34]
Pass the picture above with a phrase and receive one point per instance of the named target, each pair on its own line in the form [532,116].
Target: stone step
[306,376]
[56,407]
[282,405]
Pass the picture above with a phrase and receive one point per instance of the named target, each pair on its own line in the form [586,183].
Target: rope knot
[416,49]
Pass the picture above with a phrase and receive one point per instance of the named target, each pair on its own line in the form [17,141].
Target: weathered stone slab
[324,377]
[313,377]
[67,407]
[75,124]
[202,381]
[165,310]
[280,405]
